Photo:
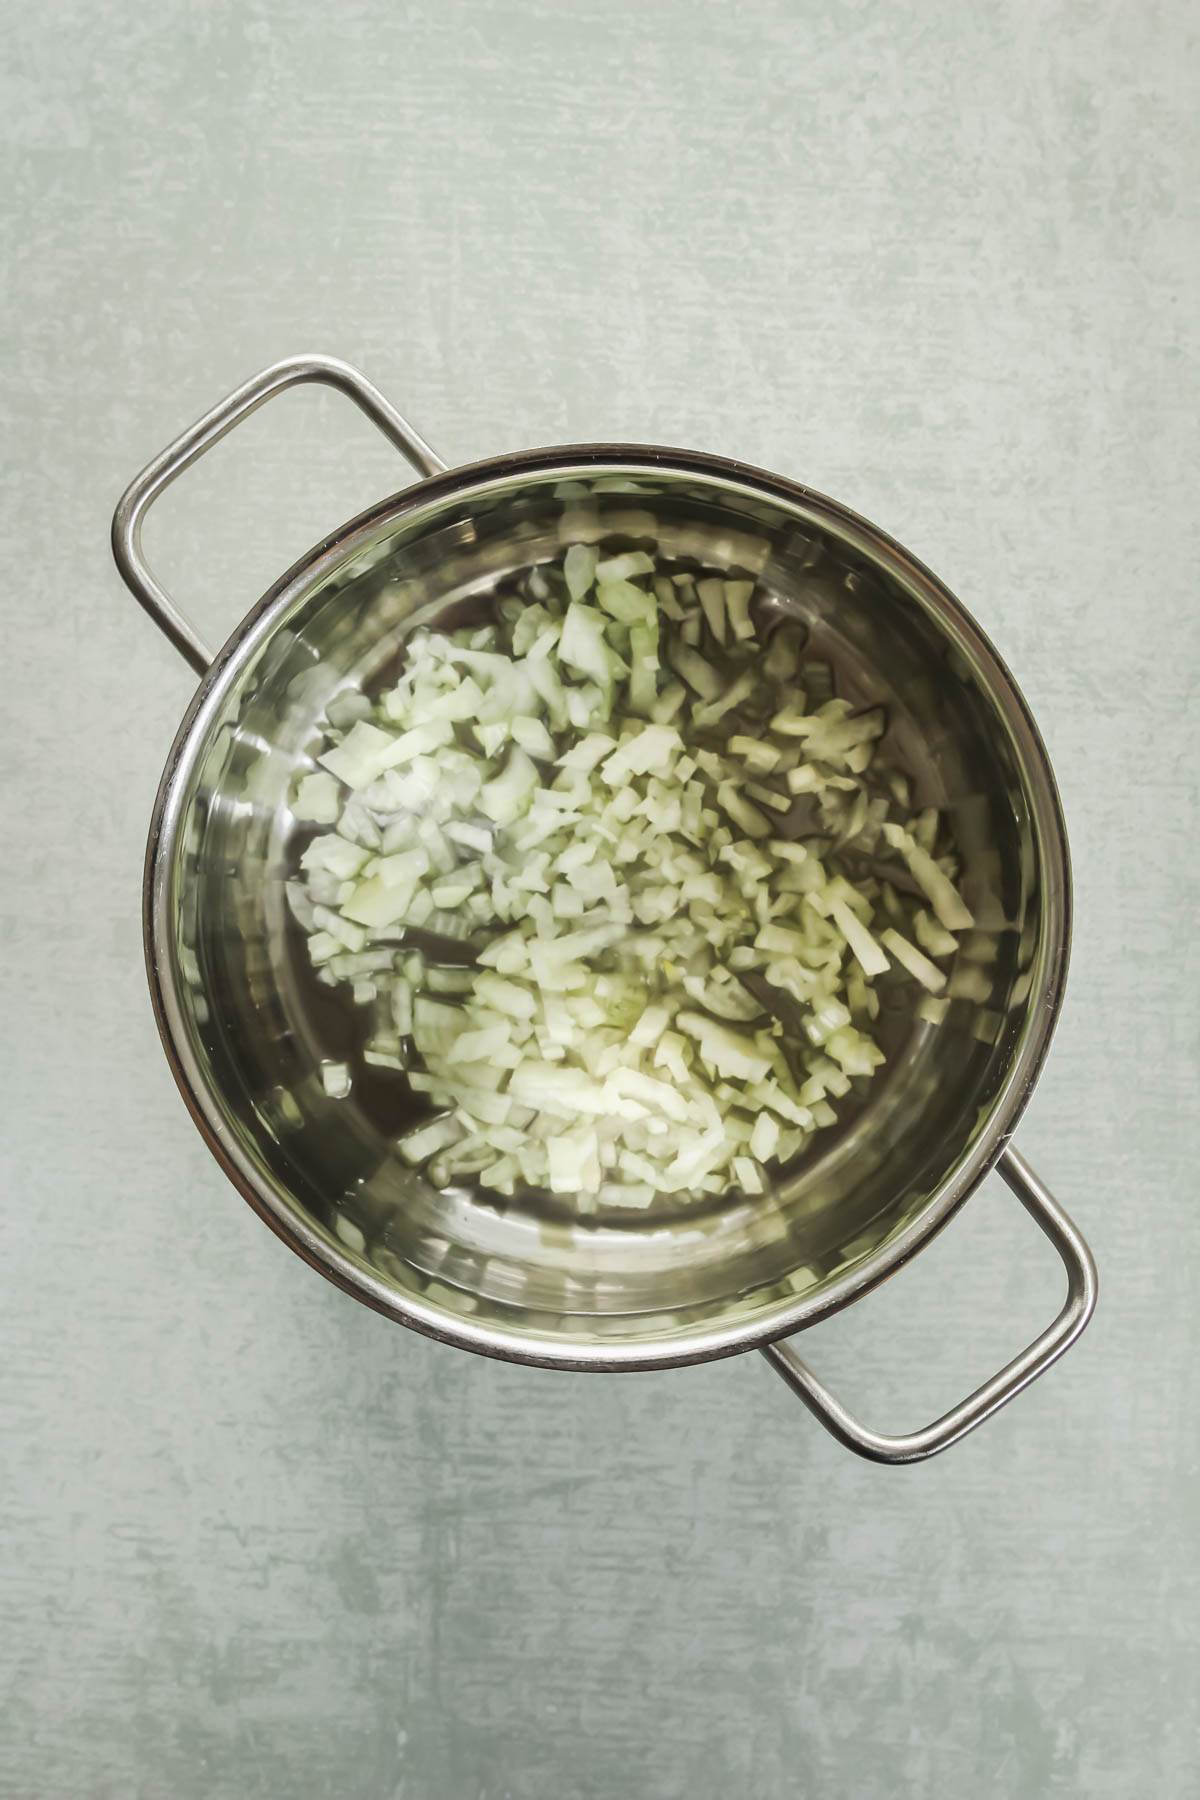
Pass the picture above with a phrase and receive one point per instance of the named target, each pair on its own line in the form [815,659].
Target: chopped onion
[335,1078]
[926,972]
[596,802]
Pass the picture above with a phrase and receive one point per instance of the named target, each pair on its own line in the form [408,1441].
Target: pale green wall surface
[940,261]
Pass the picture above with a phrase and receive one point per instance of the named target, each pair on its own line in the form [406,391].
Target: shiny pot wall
[246,1028]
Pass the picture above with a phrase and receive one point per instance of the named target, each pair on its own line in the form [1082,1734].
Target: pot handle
[145,488]
[915,1446]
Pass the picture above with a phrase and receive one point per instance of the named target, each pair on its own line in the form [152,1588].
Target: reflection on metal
[157,476]
[917,1446]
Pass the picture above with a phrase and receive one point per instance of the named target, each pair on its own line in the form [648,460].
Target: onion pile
[613,875]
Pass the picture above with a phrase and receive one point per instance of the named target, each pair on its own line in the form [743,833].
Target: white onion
[567,792]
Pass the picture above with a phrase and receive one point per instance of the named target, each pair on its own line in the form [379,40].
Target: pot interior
[248,1027]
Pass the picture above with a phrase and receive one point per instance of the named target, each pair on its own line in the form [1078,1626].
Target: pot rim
[688,1344]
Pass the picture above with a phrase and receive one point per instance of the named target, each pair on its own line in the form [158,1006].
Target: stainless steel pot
[245,1029]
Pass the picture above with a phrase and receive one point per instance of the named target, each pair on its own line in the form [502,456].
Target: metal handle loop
[158,475]
[915,1446]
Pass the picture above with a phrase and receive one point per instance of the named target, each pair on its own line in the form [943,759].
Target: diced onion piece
[731,1052]
[582,645]
[579,568]
[418,1146]
[668,703]
[871,958]
[769,797]
[933,938]
[756,752]
[643,669]
[737,605]
[349,1233]
[927,973]
[573,1162]
[699,675]
[625,602]
[335,1079]
[533,737]
[318,799]
[788,722]
[623,568]
[742,811]
[508,796]
[764,1139]
[725,701]
[712,600]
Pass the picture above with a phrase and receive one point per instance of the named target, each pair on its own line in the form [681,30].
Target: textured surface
[939,261]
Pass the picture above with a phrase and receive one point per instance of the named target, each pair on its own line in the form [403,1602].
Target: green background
[937,260]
